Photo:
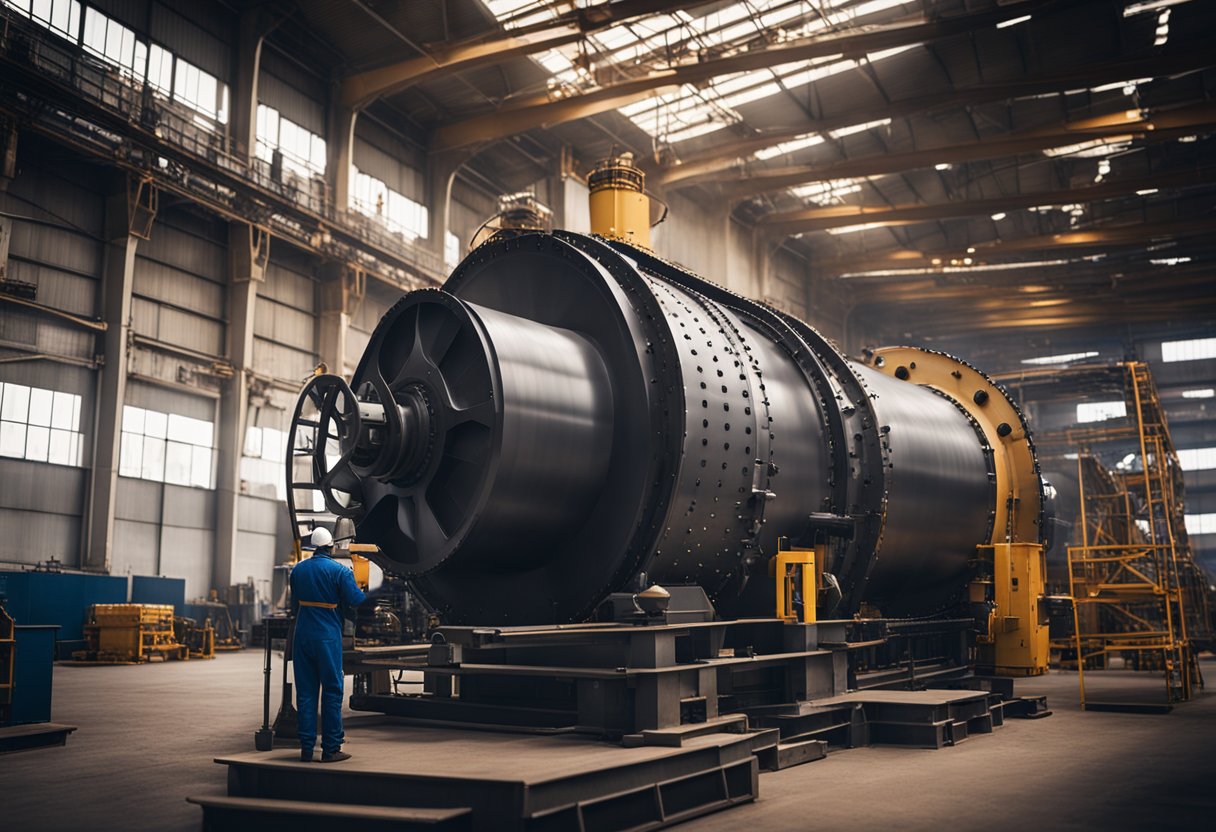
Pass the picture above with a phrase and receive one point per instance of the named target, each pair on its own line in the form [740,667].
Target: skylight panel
[789,147]
[1093,147]
[859,128]
[827,193]
[749,95]
[850,229]
[654,37]
[1062,358]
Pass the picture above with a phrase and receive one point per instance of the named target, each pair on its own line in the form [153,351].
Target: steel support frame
[129,213]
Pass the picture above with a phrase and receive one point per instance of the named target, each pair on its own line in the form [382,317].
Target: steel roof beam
[710,163]
[841,216]
[1132,234]
[1154,128]
[362,88]
[544,111]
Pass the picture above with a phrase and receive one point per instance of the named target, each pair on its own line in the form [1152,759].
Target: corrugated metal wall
[284,327]
[399,165]
[59,250]
[180,278]
[294,93]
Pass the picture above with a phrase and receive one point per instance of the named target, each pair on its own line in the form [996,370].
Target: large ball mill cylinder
[571,416]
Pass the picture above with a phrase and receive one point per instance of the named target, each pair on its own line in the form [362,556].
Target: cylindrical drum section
[555,441]
[567,419]
[939,497]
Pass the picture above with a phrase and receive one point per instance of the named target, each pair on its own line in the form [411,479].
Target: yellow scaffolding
[1137,592]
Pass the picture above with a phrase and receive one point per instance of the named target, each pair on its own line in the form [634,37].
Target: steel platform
[36,735]
[507,781]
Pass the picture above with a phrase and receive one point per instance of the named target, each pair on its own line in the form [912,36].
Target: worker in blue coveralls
[322,590]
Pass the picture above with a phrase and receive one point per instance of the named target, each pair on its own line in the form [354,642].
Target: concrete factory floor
[148,736]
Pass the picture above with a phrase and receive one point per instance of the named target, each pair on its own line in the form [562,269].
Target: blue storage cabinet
[146,589]
[33,667]
[59,598]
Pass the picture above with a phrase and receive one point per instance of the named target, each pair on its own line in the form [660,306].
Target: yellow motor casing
[621,214]
[1019,638]
[620,208]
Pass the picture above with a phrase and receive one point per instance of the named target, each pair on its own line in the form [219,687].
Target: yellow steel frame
[796,569]
[1016,534]
[1136,590]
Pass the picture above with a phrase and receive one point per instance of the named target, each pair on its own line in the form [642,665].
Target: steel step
[259,814]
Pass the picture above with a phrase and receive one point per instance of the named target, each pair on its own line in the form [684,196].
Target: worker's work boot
[334,756]
[305,756]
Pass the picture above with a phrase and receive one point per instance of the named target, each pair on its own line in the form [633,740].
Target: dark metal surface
[939,497]
[567,419]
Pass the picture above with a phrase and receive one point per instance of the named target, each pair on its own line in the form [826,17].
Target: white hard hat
[322,537]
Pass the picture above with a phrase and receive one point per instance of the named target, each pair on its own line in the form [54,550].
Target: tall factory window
[371,197]
[166,447]
[116,43]
[262,462]
[451,250]
[1193,349]
[62,16]
[303,151]
[1201,393]
[160,68]
[201,91]
[1101,411]
[40,425]
[1197,459]
[1201,524]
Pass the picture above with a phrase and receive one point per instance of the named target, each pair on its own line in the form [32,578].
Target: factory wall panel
[132,13]
[189,508]
[187,242]
[53,494]
[196,32]
[136,549]
[284,325]
[188,553]
[256,555]
[289,281]
[138,500]
[166,400]
[281,362]
[259,516]
[694,238]
[364,318]
[296,95]
[59,251]
[40,511]
[179,281]
[789,281]
[34,536]
[382,154]
[38,486]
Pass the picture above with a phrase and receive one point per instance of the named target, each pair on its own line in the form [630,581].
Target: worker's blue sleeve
[352,596]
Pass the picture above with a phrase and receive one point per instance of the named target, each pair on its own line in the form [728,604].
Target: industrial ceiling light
[1014,21]
[998,216]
